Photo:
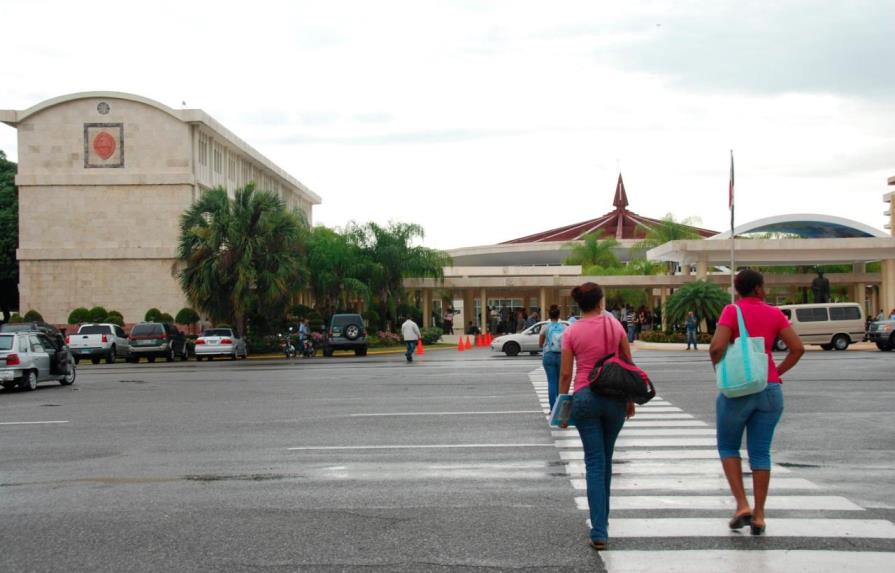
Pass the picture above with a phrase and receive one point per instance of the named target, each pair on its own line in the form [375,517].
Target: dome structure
[805,226]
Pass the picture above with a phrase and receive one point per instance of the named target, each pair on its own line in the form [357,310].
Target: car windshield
[24,327]
[218,332]
[6,342]
[147,330]
[94,329]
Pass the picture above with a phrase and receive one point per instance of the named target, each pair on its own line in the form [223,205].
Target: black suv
[346,332]
[157,340]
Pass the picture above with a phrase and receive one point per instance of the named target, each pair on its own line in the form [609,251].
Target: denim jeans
[691,339]
[551,364]
[758,415]
[599,420]
[411,346]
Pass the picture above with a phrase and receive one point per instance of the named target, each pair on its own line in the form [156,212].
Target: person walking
[598,419]
[632,326]
[692,324]
[410,332]
[759,413]
[550,342]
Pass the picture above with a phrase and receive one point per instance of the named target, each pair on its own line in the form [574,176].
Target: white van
[832,325]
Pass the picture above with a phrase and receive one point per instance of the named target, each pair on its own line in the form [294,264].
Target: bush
[371,316]
[431,335]
[263,344]
[16,318]
[115,317]
[79,315]
[673,337]
[384,338]
[187,316]
[316,325]
[165,317]
[33,315]
[153,315]
[98,314]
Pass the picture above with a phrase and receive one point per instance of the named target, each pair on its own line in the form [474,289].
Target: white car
[220,342]
[525,341]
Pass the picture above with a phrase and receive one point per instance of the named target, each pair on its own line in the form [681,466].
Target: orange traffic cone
[468,344]
[460,347]
[419,347]
[488,339]
[478,340]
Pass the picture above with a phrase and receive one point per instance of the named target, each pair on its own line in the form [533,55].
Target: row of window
[820,314]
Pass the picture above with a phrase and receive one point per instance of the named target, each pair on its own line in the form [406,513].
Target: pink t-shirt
[761,319]
[589,341]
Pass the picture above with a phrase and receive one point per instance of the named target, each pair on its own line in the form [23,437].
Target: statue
[821,288]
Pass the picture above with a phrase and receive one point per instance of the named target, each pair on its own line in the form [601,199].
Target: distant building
[103,178]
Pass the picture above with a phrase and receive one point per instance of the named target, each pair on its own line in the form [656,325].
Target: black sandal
[756,529]
[598,545]
[740,521]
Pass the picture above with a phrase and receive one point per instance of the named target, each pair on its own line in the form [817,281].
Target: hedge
[672,337]
[32,316]
[79,315]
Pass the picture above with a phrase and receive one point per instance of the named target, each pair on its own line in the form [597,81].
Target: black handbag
[614,377]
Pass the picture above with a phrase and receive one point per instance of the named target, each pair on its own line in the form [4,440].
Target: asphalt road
[305,466]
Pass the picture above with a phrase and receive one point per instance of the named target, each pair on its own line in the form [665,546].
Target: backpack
[553,337]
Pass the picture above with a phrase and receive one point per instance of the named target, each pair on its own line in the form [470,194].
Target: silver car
[525,341]
[28,358]
[220,342]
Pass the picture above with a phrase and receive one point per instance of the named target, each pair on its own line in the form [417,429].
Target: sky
[487,121]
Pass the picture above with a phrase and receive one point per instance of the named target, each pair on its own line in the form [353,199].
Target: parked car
[157,340]
[882,332]
[96,341]
[30,357]
[346,332]
[832,325]
[525,341]
[36,326]
[220,342]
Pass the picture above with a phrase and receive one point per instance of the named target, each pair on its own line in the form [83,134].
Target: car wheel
[779,345]
[827,346]
[95,360]
[70,376]
[885,347]
[512,348]
[840,342]
[186,354]
[29,381]
[111,356]
[352,331]
[170,356]
[150,359]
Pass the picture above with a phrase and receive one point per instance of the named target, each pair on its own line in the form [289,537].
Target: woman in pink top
[756,414]
[598,419]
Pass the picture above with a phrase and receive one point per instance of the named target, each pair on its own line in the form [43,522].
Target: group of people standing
[599,419]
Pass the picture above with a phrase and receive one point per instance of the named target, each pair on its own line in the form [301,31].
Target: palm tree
[241,256]
[667,230]
[705,299]
[337,268]
[593,253]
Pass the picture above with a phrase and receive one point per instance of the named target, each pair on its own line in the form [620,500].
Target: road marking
[23,423]
[421,446]
[695,484]
[672,432]
[666,424]
[776,561]
[663,468]
[650,416]
[725,502]
[623,442]
[621,455]
[472,413]
[777,527]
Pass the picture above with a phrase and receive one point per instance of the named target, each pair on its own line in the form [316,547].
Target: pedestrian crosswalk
[669,495]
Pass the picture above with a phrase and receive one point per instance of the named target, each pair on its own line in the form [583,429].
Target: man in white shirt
[410,332]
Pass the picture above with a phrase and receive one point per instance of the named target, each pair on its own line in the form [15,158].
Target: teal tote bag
[744,368]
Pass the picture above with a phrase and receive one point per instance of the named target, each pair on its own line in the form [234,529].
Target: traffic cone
[419,347]
[468,344]
[488,339]
[478,341]
[460,345]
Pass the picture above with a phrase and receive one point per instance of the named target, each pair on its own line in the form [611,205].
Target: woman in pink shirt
[756,414]
[598,419]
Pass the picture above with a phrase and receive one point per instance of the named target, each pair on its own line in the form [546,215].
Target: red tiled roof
[620,224]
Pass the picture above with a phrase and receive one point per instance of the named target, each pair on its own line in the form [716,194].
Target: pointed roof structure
[620,223]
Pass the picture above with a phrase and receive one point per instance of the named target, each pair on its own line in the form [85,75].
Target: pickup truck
[97,341]
[882,332]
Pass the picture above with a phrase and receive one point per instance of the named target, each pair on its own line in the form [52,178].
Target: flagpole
[732,236]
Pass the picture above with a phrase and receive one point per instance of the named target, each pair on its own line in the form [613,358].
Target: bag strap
[744,345]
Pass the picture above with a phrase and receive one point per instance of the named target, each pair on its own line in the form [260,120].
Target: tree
[186,316]
[705,299]
[392,256]
[667,230]
[115,317]
[337,269]
[79,315]
[9,237]
[241,257]
[153,315]
[593,253]
[98,314]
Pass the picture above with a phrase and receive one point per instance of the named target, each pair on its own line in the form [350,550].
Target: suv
[346,332]
[29,357]
[157,340]
[882,332]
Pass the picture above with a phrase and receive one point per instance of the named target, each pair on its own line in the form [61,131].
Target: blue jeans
[632,330]
[758,415]
[551,363]
[411,346]
[691,339]
[599,420]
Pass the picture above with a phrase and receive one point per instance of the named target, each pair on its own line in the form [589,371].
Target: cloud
[402,138]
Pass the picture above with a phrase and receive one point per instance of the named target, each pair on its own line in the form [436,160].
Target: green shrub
[153,315]
[79,315]
[98,314]
[187,316]
[431,335]
[115,317]
[165,317]
[371,317]
[16,318]
[316,325]
[673,337]
[33,315]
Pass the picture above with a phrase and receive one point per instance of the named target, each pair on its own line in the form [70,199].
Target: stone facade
[103,179]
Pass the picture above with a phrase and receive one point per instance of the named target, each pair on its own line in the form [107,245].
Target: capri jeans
[551,362]
[758,415]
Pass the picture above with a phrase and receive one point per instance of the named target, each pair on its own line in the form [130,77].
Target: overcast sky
[487,121]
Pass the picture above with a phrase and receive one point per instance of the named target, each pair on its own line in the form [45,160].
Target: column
[702,269]
[663,296]
[543,303]
[484,310]
[887,289]
[860,288]
[467,310]
[427,307]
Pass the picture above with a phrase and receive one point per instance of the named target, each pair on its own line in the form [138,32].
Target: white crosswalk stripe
[666,461]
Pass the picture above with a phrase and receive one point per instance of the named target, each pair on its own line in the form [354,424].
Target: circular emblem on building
[104,144]
[103,108]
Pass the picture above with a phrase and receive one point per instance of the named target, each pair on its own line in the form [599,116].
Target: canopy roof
[619,223]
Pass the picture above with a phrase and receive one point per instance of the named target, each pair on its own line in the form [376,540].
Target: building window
[218,159]
[203,150]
